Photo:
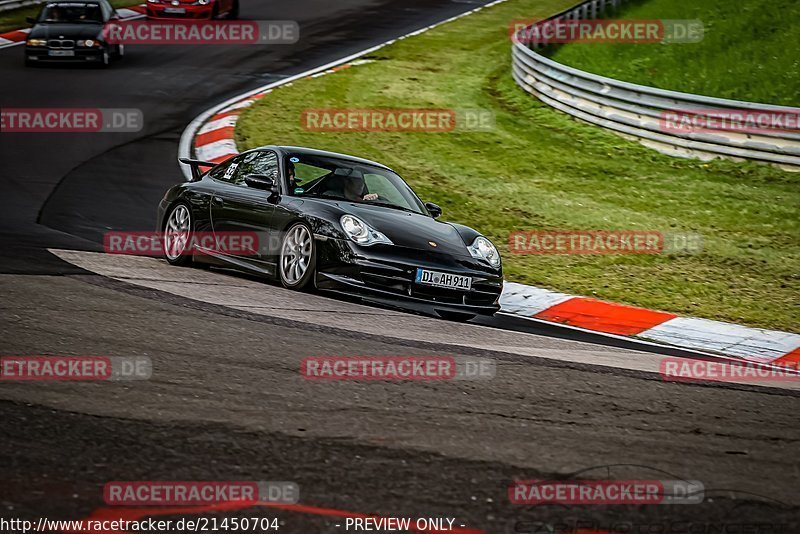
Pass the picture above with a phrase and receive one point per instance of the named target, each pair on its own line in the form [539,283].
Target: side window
[224,173]
[259,162]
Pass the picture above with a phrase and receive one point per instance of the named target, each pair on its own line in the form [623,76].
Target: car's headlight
[361,232]
[88,43]
[37,42]
[483,249]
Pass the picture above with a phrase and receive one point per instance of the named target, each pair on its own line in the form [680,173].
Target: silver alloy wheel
[177,232]
[296,254]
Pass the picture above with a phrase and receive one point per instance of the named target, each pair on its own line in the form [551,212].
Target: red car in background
[192,9]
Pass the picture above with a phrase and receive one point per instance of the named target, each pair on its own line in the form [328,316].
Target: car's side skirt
[262,268]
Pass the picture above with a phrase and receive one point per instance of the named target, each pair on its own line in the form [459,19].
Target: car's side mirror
[30,20]
[261,181]
[433,209]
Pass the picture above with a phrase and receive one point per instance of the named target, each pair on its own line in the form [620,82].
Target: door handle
[217,201]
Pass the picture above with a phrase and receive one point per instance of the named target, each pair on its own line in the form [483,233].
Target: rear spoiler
[196,164]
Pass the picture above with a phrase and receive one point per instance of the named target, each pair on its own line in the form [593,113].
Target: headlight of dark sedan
[37,42]
[361,232]
[483,249]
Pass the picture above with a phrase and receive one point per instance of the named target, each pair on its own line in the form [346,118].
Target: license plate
[61,53]
[175,10]
[452,281]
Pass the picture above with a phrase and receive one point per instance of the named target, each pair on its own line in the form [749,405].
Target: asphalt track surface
[226,400]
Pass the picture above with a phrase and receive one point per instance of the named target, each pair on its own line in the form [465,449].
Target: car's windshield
[72,12]
[354,181]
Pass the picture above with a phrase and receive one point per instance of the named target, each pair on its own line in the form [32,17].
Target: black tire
[215,11]
[184,258]
[306,280]
[455,316]
[233,14]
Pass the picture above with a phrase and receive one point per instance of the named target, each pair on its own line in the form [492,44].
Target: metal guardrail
[6,5]
[638,110]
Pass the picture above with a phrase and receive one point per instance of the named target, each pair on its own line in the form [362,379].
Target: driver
[290,173]
[354,187]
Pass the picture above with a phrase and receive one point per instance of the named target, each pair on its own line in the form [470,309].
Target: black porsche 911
[335,223]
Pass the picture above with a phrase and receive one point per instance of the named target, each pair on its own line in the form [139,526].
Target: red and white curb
[753,344]
[210,137]
[18,37]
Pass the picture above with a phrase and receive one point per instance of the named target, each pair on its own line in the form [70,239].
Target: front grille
[61,44]
[481,294]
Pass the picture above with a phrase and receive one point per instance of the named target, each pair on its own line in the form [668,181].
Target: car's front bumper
[387,274]
[186,12]
[36,54]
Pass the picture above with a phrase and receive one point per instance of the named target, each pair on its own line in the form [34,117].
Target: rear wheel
[297,264]
[456,316]
[234,12]
[177,234]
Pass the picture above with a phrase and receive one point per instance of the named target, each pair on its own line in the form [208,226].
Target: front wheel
[297,264]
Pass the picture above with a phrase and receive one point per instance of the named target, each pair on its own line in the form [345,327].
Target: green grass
[750,51]
[14,19]
[540,169]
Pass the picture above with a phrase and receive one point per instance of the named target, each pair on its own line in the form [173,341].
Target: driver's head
[355,185]
[290,170]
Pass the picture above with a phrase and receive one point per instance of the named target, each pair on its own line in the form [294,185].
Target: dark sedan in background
[72,31]
[336,223]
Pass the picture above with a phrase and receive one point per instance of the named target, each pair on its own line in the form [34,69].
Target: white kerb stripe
[527,301]
[224,122]
[736,340]
[217,149]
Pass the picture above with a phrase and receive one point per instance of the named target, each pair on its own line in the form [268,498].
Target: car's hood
[410,230]
[68,31]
